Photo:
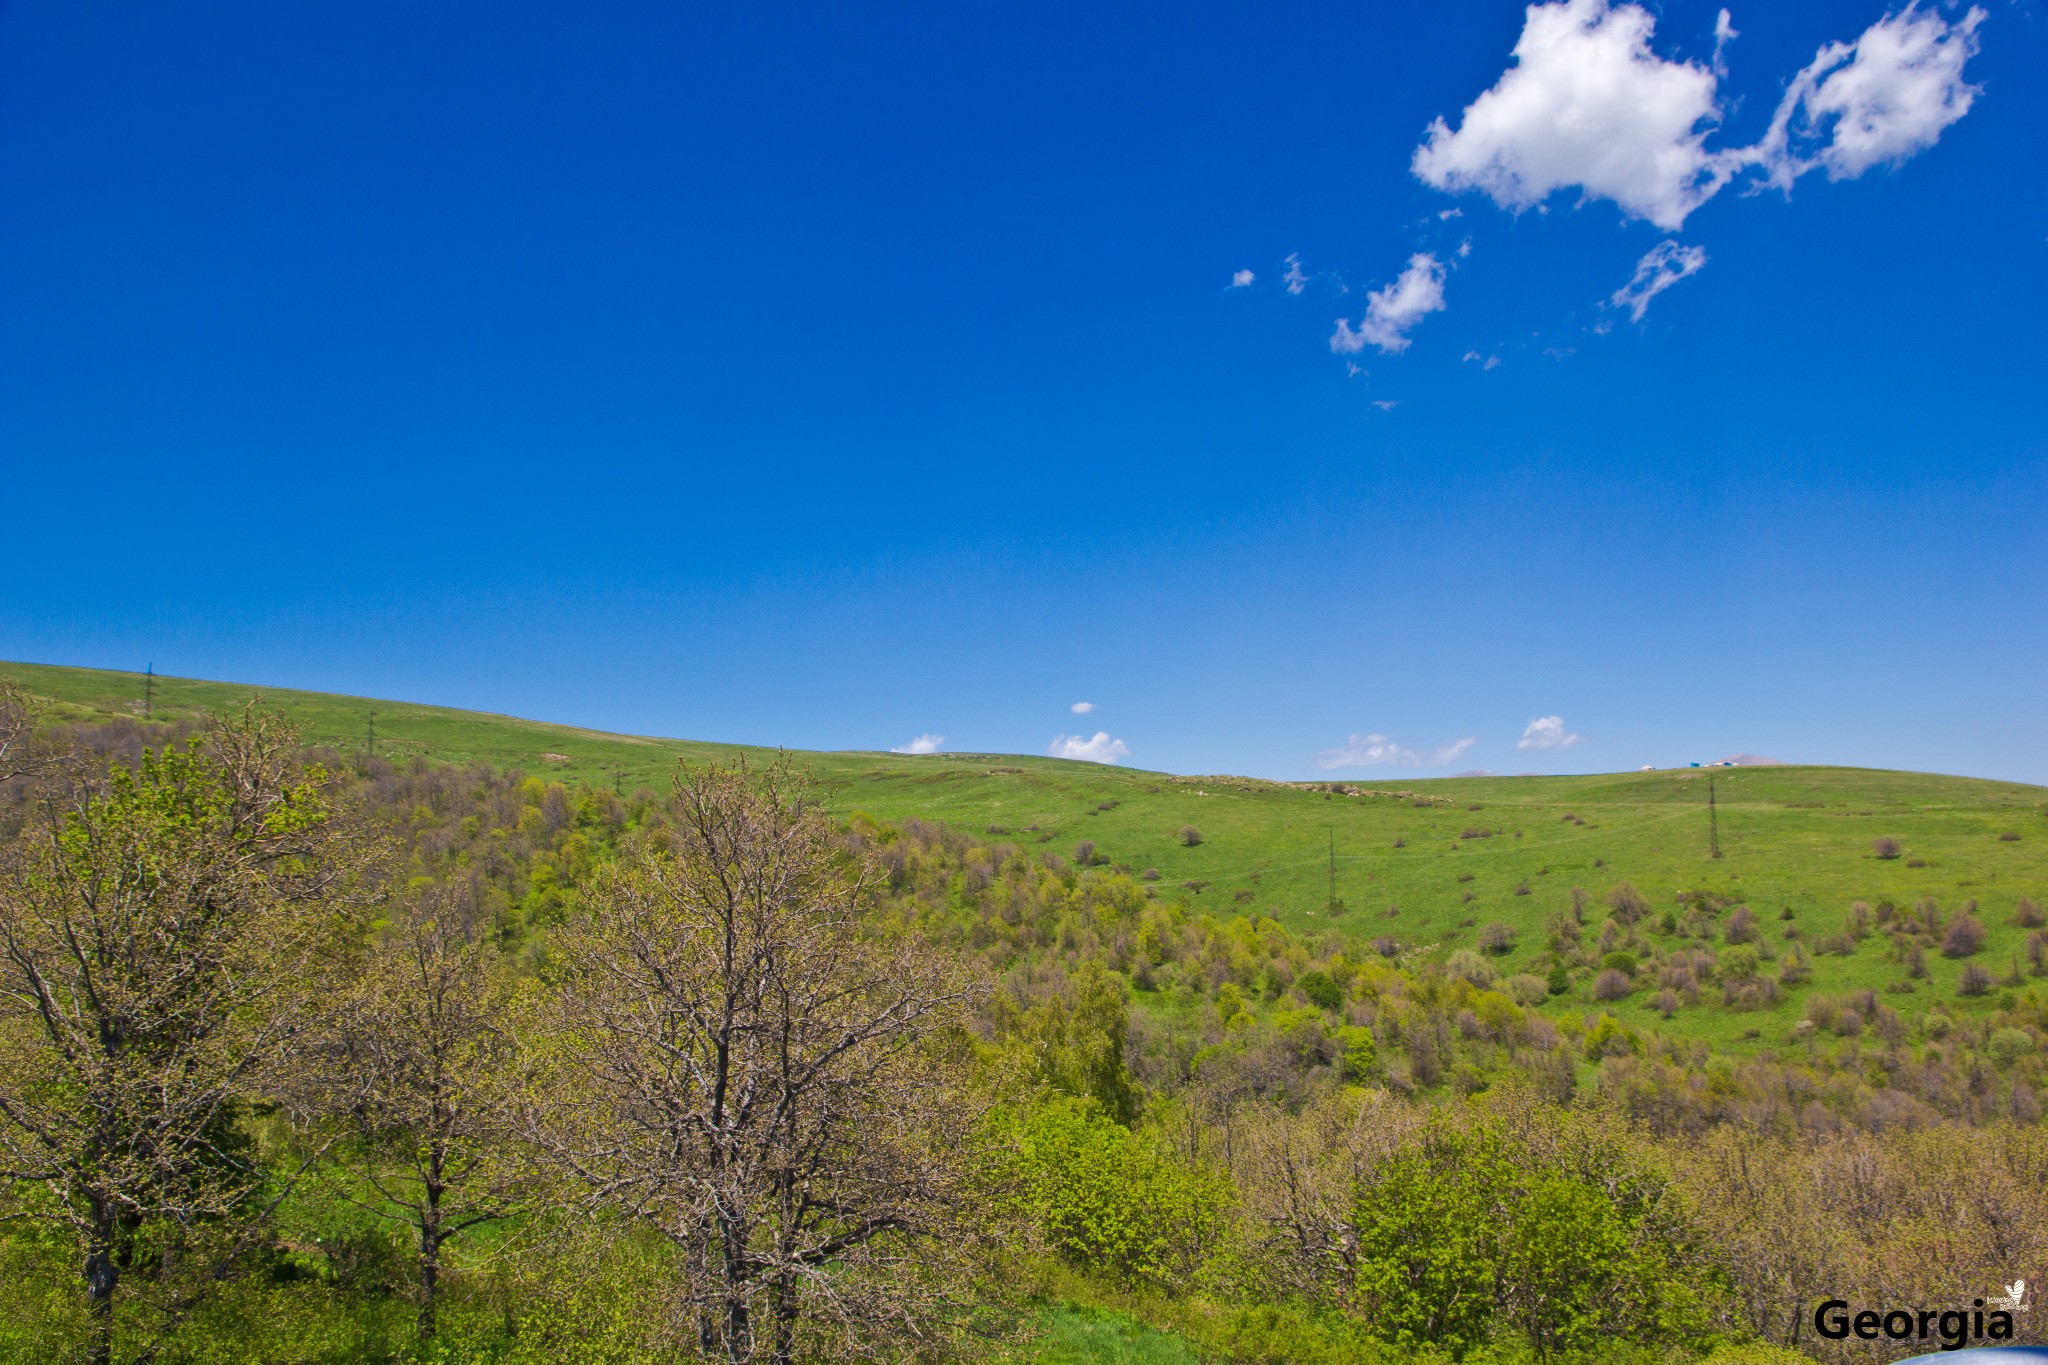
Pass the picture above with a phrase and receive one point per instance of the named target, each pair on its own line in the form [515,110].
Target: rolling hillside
[1426,861]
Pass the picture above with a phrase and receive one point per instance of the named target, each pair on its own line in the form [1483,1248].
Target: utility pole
[370,743]
[1333,868]
[1713,820]
[149,692]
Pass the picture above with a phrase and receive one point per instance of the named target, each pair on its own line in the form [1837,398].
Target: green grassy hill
[1427,861]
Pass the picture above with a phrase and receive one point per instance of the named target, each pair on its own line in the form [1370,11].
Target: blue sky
[804,375]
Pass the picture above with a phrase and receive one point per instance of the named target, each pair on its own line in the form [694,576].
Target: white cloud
[1586,104]
[1873,102]
[1294,279]
[1724,33]
[1391,312]
[1367,751]
[1082,708]
[923,744]
[1241,279]
[1486,362]
[1100,749]
[1547,733]
[1386,404]
[1662,266]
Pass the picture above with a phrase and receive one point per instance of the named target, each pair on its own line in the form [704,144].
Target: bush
[2027,914]
[1886,847]
[1526,988]
[1084,852]
[1190,836]
[1976,981]
[1319,990]
[1965,937]
[1741,926]
[2008,1045]
[1620,962]
[1497,939]
[1109,1201]
[1612,985]
[1472,967]
[1361,1058]
[1627,903]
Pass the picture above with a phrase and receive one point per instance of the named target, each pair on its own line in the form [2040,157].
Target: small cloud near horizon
[923,744]
[1374,750]
[1099,749]
[1546,734]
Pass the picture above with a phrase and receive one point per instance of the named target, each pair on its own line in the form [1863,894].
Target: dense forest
[308,1055]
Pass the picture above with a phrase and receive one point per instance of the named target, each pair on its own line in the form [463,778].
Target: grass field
[1425,860]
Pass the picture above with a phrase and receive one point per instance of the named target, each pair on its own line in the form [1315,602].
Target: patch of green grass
[1068,1335]
[1797,838]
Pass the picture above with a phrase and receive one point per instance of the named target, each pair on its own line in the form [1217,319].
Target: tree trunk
[102,1273]
[431,1237]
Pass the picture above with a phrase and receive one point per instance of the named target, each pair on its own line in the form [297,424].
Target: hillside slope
[1426,861]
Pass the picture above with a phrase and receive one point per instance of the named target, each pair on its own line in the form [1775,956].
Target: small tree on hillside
[1886,847]
[165,934]
[733,1056]
[1190,836]
[1965,937]
[416,1079]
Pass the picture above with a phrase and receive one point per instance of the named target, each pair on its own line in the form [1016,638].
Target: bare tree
[1885,847]
[163,933]
[733,1055]
[418,1080]
[20,713]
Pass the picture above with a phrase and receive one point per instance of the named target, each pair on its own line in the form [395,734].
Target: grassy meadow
[1426,861]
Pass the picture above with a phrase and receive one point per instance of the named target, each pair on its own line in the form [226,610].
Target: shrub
[1319,990]
[1738,964]
[1084,852]
[1620,962]
[1885,847]
[1472,967]
[2027,914]
[1795,970]
[1627,903]
[1527,989]
[1857,925]
[1741,925]
[1612,985]
[2011,836]
[1361,1058]
[2008,1045]
[1965,936]
[1190,836]
[1976,981]
[1497,938]
[1150,874]
[2037,952]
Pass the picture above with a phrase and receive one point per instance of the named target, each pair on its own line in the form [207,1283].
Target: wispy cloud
[1294,279]
[1098,749]
[1390,313]
[923,744]
[1547,733]
[1486,362]
[1375,750]
[1241,279]
[1082,708]
[1874,102]
[1662,266]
